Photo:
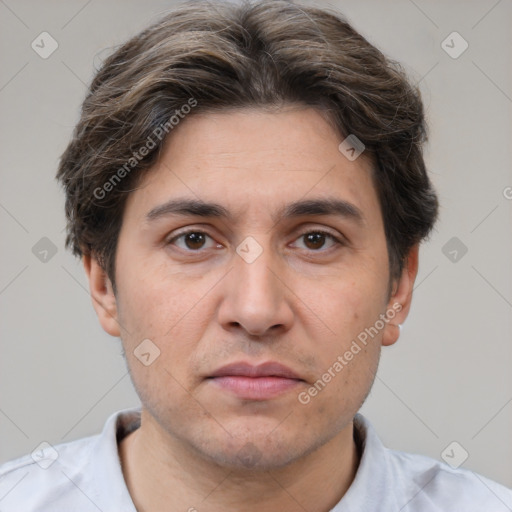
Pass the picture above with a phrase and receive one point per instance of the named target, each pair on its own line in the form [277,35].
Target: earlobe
[102,295]
[400,301]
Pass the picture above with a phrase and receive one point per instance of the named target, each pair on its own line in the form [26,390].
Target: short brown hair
[217,56]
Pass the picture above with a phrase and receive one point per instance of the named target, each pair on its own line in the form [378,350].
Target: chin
[252,457]
[259,452]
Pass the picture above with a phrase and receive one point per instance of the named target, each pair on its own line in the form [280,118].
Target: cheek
[156,302]
[349,354]
[345,307]
[343,383]
[161,307]
[145,310]
[159,340]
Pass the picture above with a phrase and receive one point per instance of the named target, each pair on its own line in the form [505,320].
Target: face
[277,275]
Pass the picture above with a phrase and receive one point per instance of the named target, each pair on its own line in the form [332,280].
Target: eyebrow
[200,208]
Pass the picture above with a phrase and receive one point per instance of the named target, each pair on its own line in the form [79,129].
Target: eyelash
[336,240]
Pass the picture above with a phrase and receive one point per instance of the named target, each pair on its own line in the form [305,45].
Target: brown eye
[191,241]
[316,240]
[194,240]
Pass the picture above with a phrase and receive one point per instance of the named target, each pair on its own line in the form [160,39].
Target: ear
[102,294]
[401,297]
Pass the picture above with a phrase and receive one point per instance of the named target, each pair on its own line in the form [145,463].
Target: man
[247,191]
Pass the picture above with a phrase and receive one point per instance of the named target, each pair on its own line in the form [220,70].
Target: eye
[315,240]
[192,241]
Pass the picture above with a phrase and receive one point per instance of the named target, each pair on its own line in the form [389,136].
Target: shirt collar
[105,463]
[372,488]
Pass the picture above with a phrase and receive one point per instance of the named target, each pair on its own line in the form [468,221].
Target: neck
[161,472]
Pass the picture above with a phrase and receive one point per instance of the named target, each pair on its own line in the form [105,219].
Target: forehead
[253,160]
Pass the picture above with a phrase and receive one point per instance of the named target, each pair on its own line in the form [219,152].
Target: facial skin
[301,303]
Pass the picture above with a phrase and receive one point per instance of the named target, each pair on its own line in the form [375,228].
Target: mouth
[250,382]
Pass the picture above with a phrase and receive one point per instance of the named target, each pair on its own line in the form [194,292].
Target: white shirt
[86,475]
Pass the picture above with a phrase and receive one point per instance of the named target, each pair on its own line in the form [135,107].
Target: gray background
[448,378]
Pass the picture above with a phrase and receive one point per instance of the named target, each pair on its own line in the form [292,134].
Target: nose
[256,297]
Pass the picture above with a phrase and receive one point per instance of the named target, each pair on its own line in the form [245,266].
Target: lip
[267,369]
[255,382]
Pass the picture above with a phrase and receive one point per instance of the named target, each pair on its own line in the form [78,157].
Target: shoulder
[411,483]
[33,482]
[429,481]
[83,475]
